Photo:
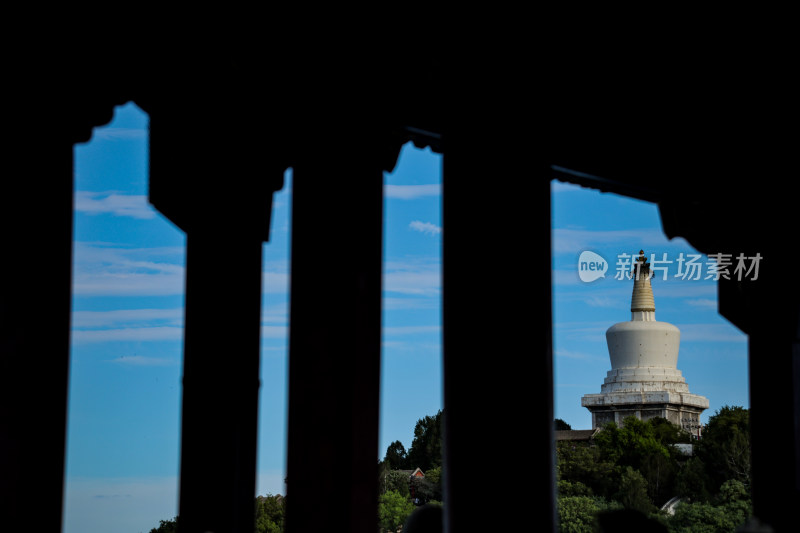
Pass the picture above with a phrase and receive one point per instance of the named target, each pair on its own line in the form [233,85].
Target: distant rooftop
[576,434]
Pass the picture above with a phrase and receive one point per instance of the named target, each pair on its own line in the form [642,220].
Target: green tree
[270,512]
[426,448]
[393,510]
[166,526]
[692,481]
[725,446]
[659,471]
[735,499]
[668,433]
[582,464]
[428,488]
[397,481]
[561,425]
[700,518]
[577,514]
[630,444]
[733,508]
[396,456]
[572,488]
[633,492]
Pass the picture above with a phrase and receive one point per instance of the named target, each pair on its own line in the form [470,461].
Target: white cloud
[568,240]
[703,302]
[410,303]
[127,317]
[107,270]
[145,334]
[124,205]
[565,277]
[425,227]
[411,330]
[412,278]
[139,360]
[411,192]
[710,333]
[274,332]
[275,282]
[582,356]
[138,325]
[583,331]
[601,301]
[110,134]
[275,313]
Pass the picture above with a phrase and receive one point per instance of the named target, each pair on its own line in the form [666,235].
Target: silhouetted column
[220,383]
[213,172]
[766,306]
[334,341]
[774,364]
[774,368]
[35,271]
[498,391]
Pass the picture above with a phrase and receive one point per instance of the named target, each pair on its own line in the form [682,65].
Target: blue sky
[124,405]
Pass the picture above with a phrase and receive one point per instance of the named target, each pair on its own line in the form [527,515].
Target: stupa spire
[643,306]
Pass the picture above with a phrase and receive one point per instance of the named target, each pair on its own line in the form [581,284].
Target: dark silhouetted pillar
[767,309]
[42,125]
[774,363]
[220,383]
[212,174]
[334,338]
[498,391]
[35,270]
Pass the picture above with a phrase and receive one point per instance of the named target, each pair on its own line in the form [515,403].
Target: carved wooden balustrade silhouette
[224,126]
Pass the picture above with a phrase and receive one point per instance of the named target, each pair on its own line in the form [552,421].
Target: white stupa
[644,380]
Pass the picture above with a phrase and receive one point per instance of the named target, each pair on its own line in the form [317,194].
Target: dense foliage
[393,510]
[166,526]
[269,516]
[627,471]
[637,468]
[399,493]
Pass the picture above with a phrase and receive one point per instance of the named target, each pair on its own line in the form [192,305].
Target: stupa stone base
[680,408]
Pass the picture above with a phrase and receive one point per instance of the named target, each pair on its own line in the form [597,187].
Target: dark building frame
[703,143]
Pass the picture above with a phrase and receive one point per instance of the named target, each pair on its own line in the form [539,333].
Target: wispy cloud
[275,282]
[271,331]
[710,333]
[108,270]
[581,356]
[126,317]
[407,302]
[601,301]
[417,277]
[425,227]
[703,302]
[410,330]
[582,331]
[113,134]
[140,360]
[571,240]
[411,192]
[123,205]
[144,334]
[124,325]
